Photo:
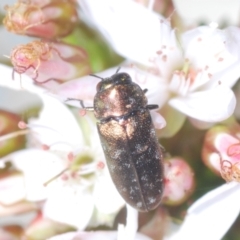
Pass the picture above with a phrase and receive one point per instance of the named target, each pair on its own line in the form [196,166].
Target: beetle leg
[152,106]
[81,103]
[145,90]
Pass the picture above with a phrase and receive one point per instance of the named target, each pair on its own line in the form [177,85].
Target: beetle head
[115,79]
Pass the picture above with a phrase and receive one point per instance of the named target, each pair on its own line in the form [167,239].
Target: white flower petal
[128,26]
[55,115]
[105,202]
[158,120]
[16,101]
[13,94]
[61,124]
[200,124]
[227,77]
[212,215]
[213,105]
[69,205]
[212,48]
[170,115]
[12,189]
[98,235]
[157,88]
[27,83]
[38,167]
[83,88]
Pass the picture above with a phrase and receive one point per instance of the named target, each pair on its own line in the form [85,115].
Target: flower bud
[50,61]
[49,19]
[9,124]
[179,181]
[221,152]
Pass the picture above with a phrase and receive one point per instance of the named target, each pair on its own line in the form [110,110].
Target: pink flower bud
[210,154]
[179,181]
[44,61]
[49,19]
[221,152]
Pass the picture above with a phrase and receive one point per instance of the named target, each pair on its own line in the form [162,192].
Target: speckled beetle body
[128,138]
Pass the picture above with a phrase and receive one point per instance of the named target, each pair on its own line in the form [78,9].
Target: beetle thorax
[119,100]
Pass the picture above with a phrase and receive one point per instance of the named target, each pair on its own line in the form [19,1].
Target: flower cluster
[53,172]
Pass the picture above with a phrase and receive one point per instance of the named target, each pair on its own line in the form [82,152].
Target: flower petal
[210,106]
[99,235]
[214,213]
[60,121]
[27,83]
[38,167]
[103,201]
[212,48]
[67,204]
[170,115]
[107,206]
[158,120]
[12,188]
[128,26]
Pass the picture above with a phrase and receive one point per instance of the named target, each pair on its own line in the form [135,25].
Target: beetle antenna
[96,76]
[118,70]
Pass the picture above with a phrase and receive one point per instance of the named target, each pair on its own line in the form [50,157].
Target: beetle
[128,138]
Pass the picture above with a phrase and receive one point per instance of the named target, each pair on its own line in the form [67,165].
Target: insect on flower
[128,138]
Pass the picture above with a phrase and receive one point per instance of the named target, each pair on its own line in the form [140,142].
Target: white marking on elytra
[151,200]
[128,165]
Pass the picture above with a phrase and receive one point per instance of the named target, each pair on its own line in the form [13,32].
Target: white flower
[195,75]
[74,164]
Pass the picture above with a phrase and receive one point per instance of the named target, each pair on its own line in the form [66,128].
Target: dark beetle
[128,138]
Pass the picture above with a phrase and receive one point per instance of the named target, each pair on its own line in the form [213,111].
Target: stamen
[45,147]
[100,165]
[55,177]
